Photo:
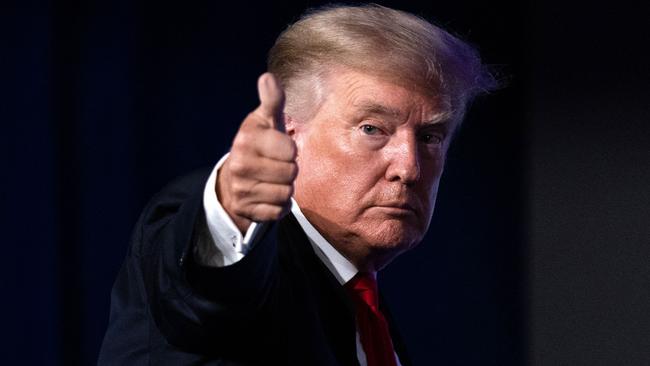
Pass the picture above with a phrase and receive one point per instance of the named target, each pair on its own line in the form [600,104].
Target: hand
[256,181]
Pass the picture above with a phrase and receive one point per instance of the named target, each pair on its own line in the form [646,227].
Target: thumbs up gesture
[256,181]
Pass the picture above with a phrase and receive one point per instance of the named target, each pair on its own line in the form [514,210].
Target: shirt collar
[340,266]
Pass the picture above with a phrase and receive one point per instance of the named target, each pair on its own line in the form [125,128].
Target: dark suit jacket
[279,305]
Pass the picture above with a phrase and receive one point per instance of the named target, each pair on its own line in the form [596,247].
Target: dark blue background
[103,102]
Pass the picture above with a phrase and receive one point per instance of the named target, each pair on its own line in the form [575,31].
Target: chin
[393,236]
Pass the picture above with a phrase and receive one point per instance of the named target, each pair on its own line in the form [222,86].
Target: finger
[276,145]
[250,192]
[271,101]
[265,212]
[265,170]
[271,193]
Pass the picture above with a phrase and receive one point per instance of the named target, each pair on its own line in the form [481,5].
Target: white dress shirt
[229,245]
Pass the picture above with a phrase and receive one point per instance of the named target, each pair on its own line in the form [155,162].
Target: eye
[430,138]
[369,129]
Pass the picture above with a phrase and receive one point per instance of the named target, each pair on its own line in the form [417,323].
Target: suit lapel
[334,309]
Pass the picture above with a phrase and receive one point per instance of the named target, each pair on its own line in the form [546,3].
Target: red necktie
[373,328]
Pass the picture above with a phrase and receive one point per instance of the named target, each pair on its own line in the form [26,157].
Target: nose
[404,161]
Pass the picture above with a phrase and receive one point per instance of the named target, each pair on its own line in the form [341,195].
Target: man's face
[370,161]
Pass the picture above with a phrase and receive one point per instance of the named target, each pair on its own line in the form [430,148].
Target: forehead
[362,93]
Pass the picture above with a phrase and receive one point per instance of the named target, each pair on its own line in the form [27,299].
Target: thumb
[271,101]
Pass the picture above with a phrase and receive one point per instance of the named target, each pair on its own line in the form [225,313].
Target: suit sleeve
[197,308]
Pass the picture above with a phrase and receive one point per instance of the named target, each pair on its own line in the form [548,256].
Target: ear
[290,125]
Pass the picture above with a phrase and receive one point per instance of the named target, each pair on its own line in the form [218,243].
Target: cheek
[341,177]
[339,159]
[319,168]
[319,162]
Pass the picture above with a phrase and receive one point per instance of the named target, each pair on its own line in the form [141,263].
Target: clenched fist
[256,181]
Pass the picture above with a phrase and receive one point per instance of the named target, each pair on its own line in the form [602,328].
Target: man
[271,258]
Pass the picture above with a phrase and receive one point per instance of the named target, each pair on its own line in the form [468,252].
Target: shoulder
[179,198]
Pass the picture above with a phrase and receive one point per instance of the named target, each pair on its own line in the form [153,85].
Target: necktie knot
[363,287]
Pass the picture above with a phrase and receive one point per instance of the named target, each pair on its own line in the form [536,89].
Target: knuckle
[251,116]
[240,210]
[238,146]
[251,120]
[243,140]
[275,212]
[238,188]
[259,213]
[238,166]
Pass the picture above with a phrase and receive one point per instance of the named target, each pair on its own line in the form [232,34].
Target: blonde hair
[373,39]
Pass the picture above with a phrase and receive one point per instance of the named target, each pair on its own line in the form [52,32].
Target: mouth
[397,208]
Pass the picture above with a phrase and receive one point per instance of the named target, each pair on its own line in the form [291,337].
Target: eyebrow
[370,107]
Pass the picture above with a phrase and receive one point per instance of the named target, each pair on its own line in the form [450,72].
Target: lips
[398,207]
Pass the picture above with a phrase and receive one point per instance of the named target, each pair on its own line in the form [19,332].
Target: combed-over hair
[391,44]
